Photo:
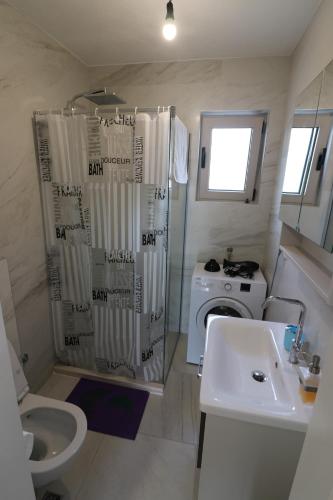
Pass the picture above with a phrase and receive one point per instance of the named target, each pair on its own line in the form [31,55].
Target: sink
[246,374]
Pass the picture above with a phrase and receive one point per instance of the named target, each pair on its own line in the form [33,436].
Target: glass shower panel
[175,263]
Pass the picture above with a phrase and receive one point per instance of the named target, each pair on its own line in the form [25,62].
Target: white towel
[180,152]
[163,165]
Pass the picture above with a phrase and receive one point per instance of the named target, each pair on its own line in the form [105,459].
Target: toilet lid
[21,383]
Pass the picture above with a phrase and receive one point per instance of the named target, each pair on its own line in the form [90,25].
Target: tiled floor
[159,464]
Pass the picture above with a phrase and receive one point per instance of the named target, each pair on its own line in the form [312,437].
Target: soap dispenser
[309,377]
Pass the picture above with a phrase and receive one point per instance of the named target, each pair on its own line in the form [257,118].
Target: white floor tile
[176,414]
[69,485]
[179,363]
[58,386]
[158,465]
[148,468]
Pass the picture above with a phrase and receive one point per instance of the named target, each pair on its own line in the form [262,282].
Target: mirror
[313,220]
[300,141]
[307,190]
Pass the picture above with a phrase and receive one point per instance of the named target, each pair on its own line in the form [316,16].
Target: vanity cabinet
[254,428]
[247,461]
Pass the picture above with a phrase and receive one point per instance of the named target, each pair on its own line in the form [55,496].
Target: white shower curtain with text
[104,186]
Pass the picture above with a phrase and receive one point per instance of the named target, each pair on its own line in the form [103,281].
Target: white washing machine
[216,293]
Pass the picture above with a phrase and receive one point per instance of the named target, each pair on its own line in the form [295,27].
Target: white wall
[193,87]
[313,53]
[15,478]
[314,478]
[291,282]
[38,74]
[8,309]
[35,73]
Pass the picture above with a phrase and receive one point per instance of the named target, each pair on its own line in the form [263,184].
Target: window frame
[310,183]
[257,122]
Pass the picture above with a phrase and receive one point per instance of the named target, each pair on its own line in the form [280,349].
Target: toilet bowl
[58,429]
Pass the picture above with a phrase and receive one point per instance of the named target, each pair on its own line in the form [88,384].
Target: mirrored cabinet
[306,203]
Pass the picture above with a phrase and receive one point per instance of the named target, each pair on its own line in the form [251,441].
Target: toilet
[54,430]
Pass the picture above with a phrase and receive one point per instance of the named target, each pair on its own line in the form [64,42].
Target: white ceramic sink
[235,348]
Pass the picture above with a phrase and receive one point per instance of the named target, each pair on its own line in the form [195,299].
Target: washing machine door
[221,306]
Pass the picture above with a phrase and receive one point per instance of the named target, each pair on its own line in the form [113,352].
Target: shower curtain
[104,189]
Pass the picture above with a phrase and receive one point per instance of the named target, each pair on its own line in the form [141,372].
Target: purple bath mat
[109,408]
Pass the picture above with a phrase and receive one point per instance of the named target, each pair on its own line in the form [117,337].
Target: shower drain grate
[51,496]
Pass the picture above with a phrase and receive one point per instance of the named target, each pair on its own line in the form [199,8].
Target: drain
[259,376]
[51,496]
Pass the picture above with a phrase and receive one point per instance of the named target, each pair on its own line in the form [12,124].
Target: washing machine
[216,293]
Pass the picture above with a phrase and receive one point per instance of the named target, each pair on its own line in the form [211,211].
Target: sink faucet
[296,347]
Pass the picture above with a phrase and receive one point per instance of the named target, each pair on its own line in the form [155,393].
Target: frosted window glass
[300,141]
[229,156]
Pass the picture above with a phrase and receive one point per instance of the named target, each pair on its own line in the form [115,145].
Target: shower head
[103,97]
[100,97]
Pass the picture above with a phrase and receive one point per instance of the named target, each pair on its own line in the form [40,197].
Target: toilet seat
[53,435]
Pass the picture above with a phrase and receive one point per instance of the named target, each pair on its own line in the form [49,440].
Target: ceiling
[102,32]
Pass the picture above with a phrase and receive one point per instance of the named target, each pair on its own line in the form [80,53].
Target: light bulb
[169,30]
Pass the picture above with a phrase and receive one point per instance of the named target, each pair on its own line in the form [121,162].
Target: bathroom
[267,64]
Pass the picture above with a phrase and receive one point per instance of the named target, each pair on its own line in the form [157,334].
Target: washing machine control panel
[213,285]
[205,284]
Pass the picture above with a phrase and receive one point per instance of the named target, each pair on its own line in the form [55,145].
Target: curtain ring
[135,110]
[96,111]
[158,110]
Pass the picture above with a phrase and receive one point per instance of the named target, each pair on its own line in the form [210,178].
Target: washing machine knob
[228,287]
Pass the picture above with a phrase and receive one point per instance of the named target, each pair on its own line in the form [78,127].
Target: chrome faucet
[296,348]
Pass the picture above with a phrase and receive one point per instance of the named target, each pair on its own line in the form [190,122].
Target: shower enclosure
[114,220]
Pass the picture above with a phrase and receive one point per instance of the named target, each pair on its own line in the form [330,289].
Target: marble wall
[311,56]
[7,307]
[35,73]
[223,85]
[291,282]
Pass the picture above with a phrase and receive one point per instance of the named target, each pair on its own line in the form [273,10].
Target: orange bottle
[309,378]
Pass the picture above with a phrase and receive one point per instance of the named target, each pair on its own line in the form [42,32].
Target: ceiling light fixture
[169,27]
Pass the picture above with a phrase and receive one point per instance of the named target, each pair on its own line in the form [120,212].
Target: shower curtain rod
[115,109]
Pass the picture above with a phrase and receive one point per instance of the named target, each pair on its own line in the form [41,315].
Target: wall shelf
[321,280]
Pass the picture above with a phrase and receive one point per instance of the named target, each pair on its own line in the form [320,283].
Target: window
[230,150]
[305,158]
